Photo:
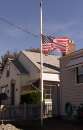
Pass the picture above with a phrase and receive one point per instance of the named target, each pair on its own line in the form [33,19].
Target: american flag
[50,43]
[65,41]
[47,44]
[62,40]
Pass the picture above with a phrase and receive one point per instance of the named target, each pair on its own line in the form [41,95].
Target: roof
[73,54]
[75,62]
[50,62]
[19,66]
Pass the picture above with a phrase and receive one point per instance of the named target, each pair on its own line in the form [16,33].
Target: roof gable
[50,62]
[19,66]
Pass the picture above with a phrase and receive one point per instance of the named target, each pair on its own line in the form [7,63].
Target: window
[79,74]
[3,89]
[7,73]
[47,93]
[12,93]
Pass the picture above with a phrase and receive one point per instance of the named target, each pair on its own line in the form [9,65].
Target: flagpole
[41,61]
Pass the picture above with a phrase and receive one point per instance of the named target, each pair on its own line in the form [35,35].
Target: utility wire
[18,27]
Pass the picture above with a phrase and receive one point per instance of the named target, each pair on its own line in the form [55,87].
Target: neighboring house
[22,73]
[71,81]
[11,79]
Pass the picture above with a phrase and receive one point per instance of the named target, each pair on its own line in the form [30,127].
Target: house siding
[7,81]
[70,91]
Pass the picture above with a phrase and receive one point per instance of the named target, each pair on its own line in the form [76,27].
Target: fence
[26,112]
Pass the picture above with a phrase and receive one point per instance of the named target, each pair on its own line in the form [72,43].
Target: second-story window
[79,74]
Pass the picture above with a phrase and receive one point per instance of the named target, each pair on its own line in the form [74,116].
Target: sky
[60,18]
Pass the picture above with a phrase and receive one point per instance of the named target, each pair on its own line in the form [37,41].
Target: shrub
[32,97]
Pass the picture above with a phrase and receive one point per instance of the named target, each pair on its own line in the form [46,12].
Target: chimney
[71,47]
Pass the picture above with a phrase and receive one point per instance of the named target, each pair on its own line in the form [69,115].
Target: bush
[32,97]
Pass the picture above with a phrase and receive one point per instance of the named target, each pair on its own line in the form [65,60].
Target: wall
[6,81]
[70,91]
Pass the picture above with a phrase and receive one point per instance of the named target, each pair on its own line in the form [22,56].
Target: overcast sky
[60,18]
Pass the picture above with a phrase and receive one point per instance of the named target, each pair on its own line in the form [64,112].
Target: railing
[26,112]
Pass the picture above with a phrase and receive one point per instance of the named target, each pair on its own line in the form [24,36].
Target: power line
[18,27]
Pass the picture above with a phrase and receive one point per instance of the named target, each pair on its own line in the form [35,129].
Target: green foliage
[32,97]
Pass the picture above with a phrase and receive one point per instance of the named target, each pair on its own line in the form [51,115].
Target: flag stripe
[49,44]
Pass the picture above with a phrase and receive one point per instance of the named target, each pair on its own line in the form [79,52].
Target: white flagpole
[41,61]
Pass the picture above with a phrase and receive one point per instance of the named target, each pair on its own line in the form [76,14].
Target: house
[71,77]
[22,73]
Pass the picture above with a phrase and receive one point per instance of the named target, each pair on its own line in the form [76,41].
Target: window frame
[49,93]
[77,74]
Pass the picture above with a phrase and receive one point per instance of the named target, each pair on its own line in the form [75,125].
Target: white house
[71,81]
[22,73]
